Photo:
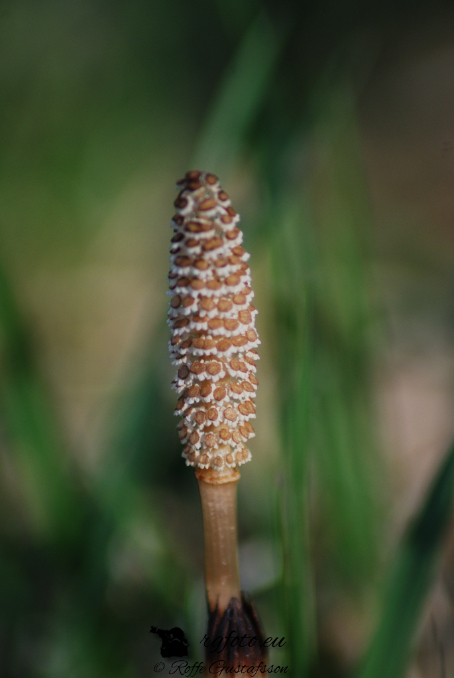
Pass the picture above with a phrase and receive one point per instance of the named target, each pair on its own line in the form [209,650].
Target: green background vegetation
[329,126]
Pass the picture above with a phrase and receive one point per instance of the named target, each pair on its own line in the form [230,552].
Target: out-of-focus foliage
[102,107]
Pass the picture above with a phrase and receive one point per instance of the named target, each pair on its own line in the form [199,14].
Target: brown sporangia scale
[212,320]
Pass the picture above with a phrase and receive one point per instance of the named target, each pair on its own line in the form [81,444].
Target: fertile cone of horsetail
[213,344]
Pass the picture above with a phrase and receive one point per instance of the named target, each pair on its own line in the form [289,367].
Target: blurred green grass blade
[347,472]
[347,461]
[410,579]
[297,578]
[236,14]
[294,351]
[30,428]
[143,454]
[239,98]
[343,218]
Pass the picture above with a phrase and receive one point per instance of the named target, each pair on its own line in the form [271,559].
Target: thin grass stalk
[32,435]
[295,353]
[242,91]
[410,579]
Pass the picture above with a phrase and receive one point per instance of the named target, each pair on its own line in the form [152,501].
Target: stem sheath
[218,495]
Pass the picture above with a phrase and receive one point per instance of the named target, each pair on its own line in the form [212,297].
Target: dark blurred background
[331,126]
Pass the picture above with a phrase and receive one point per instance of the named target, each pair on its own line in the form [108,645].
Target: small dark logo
[173,642]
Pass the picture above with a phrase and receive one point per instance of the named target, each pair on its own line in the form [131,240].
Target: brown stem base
[234,638]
